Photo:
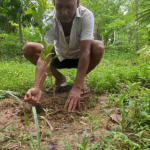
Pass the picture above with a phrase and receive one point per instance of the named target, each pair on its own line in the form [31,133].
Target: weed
[94,122]
[84,144]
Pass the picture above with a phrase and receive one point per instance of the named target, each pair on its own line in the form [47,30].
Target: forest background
[123,75]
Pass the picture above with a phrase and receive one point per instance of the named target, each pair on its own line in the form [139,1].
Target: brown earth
[65,125]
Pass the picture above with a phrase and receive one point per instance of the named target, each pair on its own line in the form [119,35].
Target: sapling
[40,16]
[123,110]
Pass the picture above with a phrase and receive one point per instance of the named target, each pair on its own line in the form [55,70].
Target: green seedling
[46,110]
[23,137]
[84,144]
[7,126]
[132,90]
[120,103]
[120,140]
[66,145]
[39,15]
[94,122]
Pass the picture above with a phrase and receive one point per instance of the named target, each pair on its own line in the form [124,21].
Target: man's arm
[84,60]
[33,95]
[73,100]
[40,73]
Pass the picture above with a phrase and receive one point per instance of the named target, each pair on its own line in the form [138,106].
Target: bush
[120,44]
[31,34]
[11,47]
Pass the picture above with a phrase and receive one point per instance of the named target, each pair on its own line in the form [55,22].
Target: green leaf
[54,57]
[37,128]
[49,18]
[48,55]
[77,138]
[62,143]
[148,140]
[29,11]
[36,16]
[44,44]
[16,97]
[40,10]
[6,126]
[80,146]
[93,146]
[49,49]
[42,56]
[47,28]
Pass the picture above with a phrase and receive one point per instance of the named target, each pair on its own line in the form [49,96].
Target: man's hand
[33,96]
[73,100]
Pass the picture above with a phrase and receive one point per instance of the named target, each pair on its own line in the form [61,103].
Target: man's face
[66,9]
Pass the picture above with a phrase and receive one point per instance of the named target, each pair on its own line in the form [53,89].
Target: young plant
[94,122]
[66,145]
[39,15]
[84,144]
[47,111]
[120,103]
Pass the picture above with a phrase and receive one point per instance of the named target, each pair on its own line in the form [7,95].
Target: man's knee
[31,48]
[98,48]
[26,48]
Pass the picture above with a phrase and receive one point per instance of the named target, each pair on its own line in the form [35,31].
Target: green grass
[122,76]
[108,76]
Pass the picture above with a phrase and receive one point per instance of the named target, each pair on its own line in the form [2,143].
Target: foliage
[11,48]
[81,145]
[122,75]
[13,10]
[145,53]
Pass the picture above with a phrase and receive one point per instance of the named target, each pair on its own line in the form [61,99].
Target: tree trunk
[20,30]
[21,38]
[137,23]
[114,36]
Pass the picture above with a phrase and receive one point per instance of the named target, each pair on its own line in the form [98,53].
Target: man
[72,33]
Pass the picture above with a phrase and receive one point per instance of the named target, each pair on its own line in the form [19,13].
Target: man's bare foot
[85,89]
[59,83]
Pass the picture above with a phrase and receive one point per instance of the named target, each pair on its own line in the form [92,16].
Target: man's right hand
[33,96]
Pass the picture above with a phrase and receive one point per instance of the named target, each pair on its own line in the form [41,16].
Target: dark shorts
[66,63]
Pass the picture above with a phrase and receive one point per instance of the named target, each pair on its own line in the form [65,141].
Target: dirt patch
[93,118]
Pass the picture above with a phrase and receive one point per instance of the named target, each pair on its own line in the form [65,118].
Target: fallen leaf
[116,117]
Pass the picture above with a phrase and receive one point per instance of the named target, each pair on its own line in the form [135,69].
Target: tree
[137,23]
[14,10]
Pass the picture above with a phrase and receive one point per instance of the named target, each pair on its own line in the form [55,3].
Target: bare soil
[65,125]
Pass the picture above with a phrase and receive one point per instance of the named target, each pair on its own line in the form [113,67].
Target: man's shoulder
[83,11]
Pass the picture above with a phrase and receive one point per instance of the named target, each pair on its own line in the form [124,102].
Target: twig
[51,127]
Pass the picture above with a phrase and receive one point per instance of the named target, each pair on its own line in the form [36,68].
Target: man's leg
[30,50]
[97,51]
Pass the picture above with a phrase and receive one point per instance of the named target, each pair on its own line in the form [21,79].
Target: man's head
[66,9]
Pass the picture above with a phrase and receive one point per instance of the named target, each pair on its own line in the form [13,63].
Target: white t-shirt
[82,29]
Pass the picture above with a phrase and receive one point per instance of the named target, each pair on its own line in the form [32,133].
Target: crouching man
[72,34]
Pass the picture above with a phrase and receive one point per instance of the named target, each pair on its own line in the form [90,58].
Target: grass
[122,76]
[108,76]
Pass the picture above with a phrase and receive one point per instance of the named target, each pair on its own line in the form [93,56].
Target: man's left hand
[73,100]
